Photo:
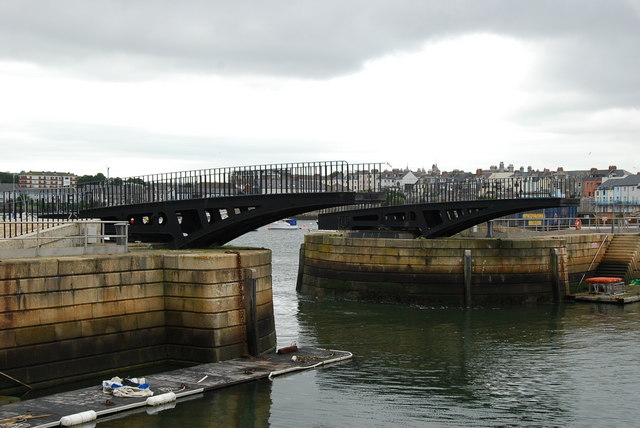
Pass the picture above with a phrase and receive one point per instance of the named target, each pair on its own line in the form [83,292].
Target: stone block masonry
[77,317]
[432,271]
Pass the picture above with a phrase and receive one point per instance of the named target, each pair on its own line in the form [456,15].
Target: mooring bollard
[490,229]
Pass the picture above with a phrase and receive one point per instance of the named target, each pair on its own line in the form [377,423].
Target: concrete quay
[447,271]
[80,317]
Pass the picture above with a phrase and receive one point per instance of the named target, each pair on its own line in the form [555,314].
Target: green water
[575,365]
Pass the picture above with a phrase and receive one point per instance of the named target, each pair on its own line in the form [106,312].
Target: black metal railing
[286,178]
[307,177]
[24,212]
[450,190]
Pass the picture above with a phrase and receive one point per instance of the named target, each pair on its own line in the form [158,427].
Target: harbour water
[573,365]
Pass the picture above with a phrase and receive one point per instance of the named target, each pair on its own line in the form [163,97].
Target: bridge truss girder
[205,222]
[434,220]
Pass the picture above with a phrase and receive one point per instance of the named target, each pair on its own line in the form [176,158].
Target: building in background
[47,180]
[619,194]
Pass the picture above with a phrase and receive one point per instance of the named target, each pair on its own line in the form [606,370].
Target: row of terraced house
[600,190]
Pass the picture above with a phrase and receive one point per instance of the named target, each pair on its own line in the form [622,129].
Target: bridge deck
[201,223]
[194,209]
[436,219]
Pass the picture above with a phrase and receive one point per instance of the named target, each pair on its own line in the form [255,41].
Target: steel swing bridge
[203,208]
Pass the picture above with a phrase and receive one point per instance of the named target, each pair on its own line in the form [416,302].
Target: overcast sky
[149,86]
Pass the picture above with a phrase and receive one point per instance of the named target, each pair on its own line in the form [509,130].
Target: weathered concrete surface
[431,271]
[67,239]
[74,316]
[183,382]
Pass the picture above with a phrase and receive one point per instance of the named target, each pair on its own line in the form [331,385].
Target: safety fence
[452,190]
[23,222]
[58,237]
[310,177]
[289,178]
[613,224]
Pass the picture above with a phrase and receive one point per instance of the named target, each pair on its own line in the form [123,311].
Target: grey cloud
[97,145]
[588,47]
[296,38]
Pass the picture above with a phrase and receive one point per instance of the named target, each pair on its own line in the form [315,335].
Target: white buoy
[157,400]
[78,418]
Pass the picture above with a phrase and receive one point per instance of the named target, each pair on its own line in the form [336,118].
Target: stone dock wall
[432,271]
[77,317]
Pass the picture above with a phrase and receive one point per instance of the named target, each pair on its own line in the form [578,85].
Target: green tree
[85,179]
[7,177]
[134,180]
[394,197]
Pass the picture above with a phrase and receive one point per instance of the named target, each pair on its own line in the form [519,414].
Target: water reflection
[245,405]
[573,365]
[485,366]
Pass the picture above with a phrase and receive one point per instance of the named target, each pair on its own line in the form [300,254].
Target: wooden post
[251,323]
[467,278]
[555,276]
[300,269]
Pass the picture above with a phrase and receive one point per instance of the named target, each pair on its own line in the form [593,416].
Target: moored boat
[286,224]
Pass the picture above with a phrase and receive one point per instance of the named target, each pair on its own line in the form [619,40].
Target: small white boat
[286,224]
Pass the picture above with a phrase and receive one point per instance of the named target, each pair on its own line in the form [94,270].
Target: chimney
[612,167]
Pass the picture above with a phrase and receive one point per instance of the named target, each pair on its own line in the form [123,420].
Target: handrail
[36,234]
[594,259]
[284,178]
[563,223]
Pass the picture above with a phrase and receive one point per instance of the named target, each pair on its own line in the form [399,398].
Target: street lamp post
[13,198]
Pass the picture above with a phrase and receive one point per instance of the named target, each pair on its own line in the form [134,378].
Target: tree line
[8,177]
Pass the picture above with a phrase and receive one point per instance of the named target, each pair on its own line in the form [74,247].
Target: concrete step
[619,257]
[618,248]
[612,269]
